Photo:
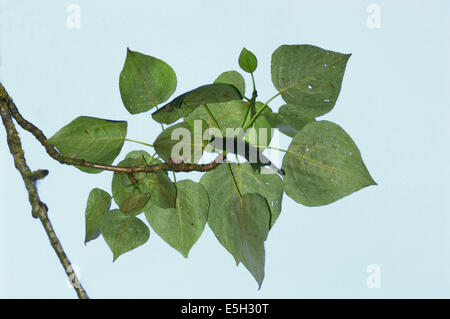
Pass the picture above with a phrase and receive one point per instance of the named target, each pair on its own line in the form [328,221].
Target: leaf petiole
[250,123]
[138,142]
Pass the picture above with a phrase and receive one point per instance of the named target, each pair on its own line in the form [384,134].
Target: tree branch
[39,135]
[39,209]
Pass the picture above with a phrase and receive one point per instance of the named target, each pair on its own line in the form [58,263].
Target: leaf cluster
[238,202]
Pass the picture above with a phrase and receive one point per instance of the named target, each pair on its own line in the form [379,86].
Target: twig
[39,209]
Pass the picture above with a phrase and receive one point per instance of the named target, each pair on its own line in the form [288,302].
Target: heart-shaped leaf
[91,139]
[308,77]
[181,226]
[123,232]
[145,82]
[322,165]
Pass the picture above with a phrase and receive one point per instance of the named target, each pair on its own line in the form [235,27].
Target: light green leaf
[145,82]
[181,226]
[287,120]
[98,204]
[122,232]
[308,77]
[247,61]
[228,115]
[186,103]
[323,164]
[92,139]
[157,184]
[234,78]
[182,142]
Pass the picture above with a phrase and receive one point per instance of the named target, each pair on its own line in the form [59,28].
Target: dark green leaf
[247,61]
[92,139]
[234,78]
[323,164]
[145,82]
[181,226]
[186,103]
[308,77]
[288,121]
[98,204]
[123,232]
[182,142]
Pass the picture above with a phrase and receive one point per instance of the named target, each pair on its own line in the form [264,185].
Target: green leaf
[287,120]
[322,165]
[248,180]
[91,139]
[308,77]
[186,103]
[247,61]
[122,232]
[185,138]
[243,229]
[181,226]
[135,204]
[145,82]
[157,184]
[98,204]
[261,124]
[228,115]
[234,78]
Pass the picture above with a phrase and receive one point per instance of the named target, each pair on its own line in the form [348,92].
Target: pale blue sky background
[394,103]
